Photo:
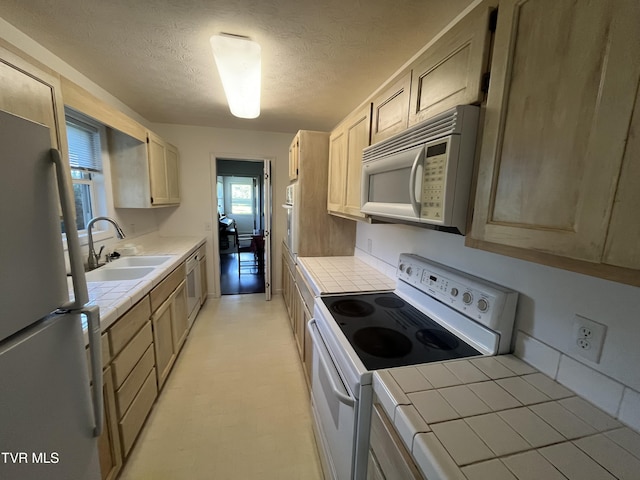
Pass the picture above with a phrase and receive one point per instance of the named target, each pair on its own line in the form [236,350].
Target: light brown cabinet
[163,171]
[163,343]
[294,158]
[450,71]
[144,175]
[345,163]
[317,232]
[388,459]
[109,450]
[181,320]
[169,319]
[390,109]
[32,92]
[559,149]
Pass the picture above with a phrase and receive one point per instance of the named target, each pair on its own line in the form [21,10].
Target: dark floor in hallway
[231,284]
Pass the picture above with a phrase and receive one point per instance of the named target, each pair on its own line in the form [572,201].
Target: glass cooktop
[385,331]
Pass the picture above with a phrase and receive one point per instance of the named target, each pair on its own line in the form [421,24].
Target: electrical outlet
[587,338]
[369,245]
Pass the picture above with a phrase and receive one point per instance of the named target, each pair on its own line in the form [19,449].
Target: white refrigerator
[50,418]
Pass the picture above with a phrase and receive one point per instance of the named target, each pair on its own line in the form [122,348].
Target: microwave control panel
[433,182]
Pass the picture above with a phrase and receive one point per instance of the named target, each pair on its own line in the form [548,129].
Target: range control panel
[479,299]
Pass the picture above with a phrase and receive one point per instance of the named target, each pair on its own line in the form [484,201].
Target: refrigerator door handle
[65,190]
[95,355]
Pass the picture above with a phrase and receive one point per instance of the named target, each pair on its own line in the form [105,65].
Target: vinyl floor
[235,405]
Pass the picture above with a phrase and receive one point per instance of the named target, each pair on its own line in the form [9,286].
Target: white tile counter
[327,275]
[116,297]
[497,418]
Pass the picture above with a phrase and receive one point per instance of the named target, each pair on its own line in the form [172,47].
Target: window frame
[97,190]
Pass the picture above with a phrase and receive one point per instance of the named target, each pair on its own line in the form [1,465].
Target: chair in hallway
[253,247]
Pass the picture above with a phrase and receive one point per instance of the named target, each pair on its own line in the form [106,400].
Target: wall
[549,299]
[199,147]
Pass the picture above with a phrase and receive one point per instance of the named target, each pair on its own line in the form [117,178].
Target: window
[241,199]
[86,168]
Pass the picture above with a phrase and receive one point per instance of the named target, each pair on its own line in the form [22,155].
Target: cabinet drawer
[160,294]
[130,387]
[133,420]
[131,354]
[127,326]
[202,251]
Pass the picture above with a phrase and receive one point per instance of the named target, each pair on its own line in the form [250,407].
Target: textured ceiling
[320,58]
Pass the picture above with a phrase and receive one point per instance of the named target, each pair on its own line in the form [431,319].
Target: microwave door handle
[412,182]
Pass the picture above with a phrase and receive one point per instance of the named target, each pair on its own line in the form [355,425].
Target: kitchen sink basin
[117,274]
[139,261]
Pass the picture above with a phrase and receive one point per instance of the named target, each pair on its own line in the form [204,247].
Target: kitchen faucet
[94,258]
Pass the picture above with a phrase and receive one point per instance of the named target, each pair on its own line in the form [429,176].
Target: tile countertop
[497,418]
[116,297]
[328,275]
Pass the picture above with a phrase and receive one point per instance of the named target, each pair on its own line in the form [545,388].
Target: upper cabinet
[144,174]
[560,155]
[345,163]
[450,72]
[33,93]
[163,171]
[391,109]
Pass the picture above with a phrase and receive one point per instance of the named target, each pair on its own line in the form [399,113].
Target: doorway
[243,209]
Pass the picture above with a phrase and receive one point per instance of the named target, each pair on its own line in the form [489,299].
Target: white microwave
[423,175]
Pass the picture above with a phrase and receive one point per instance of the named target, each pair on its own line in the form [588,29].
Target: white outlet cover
[587,338]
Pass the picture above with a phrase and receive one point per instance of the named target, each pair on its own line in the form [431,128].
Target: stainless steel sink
[118,274]
[139,261]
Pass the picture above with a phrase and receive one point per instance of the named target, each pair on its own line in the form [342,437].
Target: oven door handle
[327,364]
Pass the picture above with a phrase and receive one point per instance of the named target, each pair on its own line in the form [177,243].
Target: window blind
[84,146]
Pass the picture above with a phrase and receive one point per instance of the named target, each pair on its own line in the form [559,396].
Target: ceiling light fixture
[238,62]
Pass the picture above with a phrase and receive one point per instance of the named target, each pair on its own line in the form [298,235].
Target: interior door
[266,205]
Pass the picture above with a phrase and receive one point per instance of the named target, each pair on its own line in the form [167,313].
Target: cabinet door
[180,316]
[32,93]
[172,173]
[109,442]
[157,170]
[162,321]
[391,109]
[294,158]
[450,71]
[622,248]
[337,169]
[358,136]
[563,81]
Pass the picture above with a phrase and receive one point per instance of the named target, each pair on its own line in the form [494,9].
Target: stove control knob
[483,305]
[454,292]
[409,270]
[467,298]
[401,267]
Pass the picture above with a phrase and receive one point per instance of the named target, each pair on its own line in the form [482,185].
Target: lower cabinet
[388,457]
[162,321]
[170,328]
[299,302]
[138,351]
[109,450]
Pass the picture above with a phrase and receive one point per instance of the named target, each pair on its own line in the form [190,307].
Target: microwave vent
[444,124]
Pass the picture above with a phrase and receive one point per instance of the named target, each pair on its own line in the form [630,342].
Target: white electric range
[435,314]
